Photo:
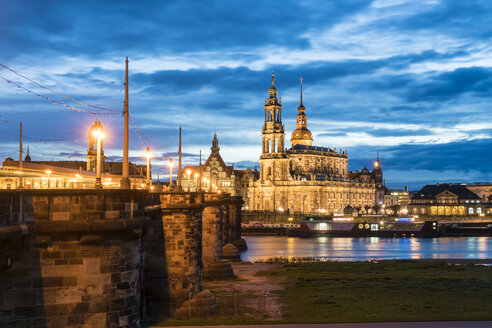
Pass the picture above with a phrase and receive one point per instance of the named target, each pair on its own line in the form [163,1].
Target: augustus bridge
[112,258]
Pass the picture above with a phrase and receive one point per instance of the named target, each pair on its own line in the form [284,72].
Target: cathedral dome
[301,136]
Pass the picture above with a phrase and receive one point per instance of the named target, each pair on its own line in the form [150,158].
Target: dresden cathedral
[305,178]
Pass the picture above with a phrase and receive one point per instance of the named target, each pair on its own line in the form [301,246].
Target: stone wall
[82,263]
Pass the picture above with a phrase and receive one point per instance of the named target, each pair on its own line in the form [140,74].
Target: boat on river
[308,228]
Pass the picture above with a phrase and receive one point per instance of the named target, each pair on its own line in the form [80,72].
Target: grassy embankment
[328,292]
[387,291]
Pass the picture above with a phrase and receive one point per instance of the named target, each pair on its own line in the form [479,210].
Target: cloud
[397,76]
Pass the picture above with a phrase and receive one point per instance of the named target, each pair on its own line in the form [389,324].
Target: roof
[240,173]
[315,149]
[431,191]
[228,169]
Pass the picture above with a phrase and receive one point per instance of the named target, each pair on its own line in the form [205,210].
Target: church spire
[300,79]
[215,144]
[301,135]
[28,157]
[272,92]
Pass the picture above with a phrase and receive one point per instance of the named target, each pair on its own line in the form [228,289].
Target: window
[479,210]
[470,210]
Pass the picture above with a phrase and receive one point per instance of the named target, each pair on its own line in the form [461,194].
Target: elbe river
[367,248]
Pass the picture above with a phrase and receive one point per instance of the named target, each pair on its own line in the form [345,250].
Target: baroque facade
[308,179]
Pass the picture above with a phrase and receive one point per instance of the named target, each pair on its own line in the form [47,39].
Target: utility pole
[21,183]
[178,183]
[201,172]
[125,181]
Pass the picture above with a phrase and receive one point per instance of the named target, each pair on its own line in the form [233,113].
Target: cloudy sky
[410,79]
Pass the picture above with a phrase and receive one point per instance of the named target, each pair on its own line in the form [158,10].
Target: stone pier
[81,262]
[235,204]
[108,258]
[214,217]
[182,237]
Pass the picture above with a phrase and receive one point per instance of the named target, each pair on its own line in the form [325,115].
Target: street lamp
[196,181]
[148,155]
[171,173]
[188,172]
[48,172]
[99,135]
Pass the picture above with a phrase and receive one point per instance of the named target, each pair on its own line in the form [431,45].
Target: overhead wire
[57,93]
[144,139]
[56,101]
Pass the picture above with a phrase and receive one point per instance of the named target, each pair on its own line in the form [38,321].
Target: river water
[368,248]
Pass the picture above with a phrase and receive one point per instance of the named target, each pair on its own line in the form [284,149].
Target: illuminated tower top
[301,135]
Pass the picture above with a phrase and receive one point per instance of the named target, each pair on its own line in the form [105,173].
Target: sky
[411,80]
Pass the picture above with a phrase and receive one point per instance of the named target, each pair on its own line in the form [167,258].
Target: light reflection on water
[350,249]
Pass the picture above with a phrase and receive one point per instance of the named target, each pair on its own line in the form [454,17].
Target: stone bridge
[112,258]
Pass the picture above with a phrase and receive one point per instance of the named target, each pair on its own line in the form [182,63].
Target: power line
[73,99]
[56,101]
[146,141]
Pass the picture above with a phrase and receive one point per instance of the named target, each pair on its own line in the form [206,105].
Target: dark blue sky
[412,79]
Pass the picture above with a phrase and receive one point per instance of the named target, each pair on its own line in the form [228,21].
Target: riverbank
[332,292]
[328,292]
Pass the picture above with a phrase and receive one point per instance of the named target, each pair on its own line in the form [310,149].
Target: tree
[376,208]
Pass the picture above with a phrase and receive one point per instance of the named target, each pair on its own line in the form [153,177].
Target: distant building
[400,197]
[446,200]
[482,189]
[215,174]
[69,174]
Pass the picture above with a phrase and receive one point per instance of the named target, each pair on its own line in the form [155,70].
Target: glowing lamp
[98,134]
[148,153]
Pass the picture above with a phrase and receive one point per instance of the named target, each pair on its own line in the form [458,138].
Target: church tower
[377,173]
[273,160]
[301,135]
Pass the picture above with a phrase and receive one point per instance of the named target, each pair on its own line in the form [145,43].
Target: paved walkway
[438,324]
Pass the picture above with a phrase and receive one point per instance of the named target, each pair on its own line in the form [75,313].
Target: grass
[388,291]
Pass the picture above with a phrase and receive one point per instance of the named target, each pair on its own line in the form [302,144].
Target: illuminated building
[446,200]
[215,172]
[306,178]
[69,174]
[482,189]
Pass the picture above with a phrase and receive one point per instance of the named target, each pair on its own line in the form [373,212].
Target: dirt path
[248,296]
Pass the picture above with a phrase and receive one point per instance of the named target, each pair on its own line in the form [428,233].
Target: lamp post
[99,135]
[196,181]
[48,172]
[171,173]
[188,172]
[148,155]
